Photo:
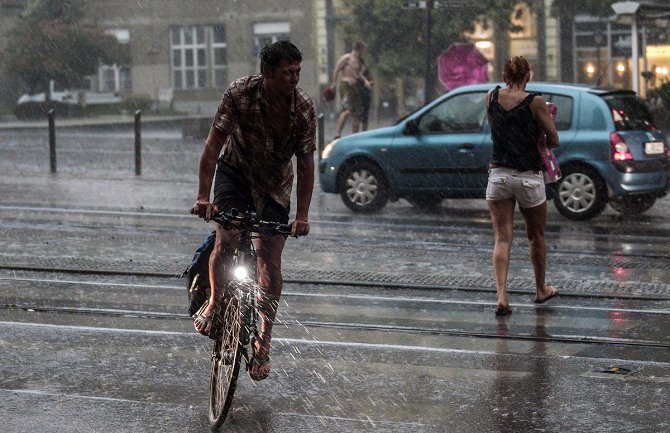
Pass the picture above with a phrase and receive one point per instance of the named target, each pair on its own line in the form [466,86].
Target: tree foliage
[52,41]
[597,8]
[395,37]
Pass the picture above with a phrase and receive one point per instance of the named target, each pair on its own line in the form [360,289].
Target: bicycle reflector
[241,273]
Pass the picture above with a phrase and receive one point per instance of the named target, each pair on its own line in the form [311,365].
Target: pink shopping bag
[551,172]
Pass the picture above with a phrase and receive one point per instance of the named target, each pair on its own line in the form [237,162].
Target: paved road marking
[366,420]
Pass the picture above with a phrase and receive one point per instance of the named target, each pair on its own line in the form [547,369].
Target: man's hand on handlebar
[299,228]
[204,209]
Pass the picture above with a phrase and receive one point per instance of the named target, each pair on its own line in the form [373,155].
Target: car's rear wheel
[362,187]
[633,204]
[580,193]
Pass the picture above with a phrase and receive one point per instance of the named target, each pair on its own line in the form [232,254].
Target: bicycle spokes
[226,360]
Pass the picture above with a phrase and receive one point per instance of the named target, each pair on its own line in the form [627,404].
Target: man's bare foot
[259,367]
[202,320]
[545,295]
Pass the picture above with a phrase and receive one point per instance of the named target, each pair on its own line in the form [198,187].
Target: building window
[198,56]
[268,33]
[218,53]
[114,79]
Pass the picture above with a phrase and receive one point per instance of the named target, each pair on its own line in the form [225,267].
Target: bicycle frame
[244,285]
[236,326]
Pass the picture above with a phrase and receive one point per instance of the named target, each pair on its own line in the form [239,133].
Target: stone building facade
[195,49]
[191,51]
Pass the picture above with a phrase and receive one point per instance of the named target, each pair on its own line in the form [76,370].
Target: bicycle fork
[245,274]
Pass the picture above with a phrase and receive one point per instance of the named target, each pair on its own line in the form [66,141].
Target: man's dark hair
[273,54]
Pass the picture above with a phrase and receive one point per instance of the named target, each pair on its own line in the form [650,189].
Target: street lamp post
[598,39]
[635,55]
[428,78]
[628,10]
[429,5]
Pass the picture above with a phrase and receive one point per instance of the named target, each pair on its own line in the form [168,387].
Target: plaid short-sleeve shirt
[251,145]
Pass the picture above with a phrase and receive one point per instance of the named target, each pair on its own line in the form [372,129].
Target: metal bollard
[322,133]
[138,142]
[52,140]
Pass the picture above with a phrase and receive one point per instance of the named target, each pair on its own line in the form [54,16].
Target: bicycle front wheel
[226,359]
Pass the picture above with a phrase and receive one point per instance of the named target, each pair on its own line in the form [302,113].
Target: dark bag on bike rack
[197,275]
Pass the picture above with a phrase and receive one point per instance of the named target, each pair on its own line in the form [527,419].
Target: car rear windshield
[630,113]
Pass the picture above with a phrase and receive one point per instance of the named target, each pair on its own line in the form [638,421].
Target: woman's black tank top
[515,134]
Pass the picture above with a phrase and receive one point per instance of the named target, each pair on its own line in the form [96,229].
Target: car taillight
[620,150]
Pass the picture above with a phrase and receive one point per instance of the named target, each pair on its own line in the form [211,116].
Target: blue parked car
[610,152]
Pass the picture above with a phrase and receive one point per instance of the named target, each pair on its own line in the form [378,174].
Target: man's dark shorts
[232,190]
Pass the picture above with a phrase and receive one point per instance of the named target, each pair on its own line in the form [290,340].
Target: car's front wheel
[362,187]
[580,193]
[633,204]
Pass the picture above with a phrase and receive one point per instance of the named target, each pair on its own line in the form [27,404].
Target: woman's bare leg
[536,224]
[502,217]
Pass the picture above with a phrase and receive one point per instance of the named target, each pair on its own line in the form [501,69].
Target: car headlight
[329,148]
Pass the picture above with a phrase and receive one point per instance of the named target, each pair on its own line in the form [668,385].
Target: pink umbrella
[462,64]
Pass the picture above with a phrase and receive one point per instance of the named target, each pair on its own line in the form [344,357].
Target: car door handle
[466,148]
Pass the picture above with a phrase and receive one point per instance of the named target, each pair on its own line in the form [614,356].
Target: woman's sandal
[201,322]
[259,366]
[503,310]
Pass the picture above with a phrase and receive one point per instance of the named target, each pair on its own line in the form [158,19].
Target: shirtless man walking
[350,68]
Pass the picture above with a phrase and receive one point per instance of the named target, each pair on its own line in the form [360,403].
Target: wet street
[386,322]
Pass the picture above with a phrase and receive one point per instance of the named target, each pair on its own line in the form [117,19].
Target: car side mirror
[411,127]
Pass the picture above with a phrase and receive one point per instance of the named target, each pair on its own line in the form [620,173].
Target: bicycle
[235,327]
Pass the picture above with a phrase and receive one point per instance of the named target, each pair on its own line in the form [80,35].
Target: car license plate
[654,147]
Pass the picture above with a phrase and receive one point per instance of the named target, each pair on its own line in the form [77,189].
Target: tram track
[389,285]
[364,327]
[453,225]
[469,248]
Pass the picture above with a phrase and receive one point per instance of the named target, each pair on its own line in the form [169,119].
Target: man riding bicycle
[262,122]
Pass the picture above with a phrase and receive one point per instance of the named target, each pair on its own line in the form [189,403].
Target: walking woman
[515,175]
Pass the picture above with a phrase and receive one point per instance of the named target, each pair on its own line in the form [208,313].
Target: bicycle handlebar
[250,221]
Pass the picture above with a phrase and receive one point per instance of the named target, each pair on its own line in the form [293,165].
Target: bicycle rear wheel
[226,359]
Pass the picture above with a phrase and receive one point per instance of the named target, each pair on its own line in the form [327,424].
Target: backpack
[197,275]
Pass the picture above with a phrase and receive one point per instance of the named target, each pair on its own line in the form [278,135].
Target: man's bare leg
[270,281]
[219,261]
[341,121]
[355,124]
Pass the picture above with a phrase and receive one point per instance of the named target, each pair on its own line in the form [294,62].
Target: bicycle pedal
[228,358]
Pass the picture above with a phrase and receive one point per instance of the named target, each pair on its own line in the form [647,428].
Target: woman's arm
[488,100]
[539,108]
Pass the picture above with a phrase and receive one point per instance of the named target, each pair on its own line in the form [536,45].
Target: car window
[630,113]
[564,106]
[460,113]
